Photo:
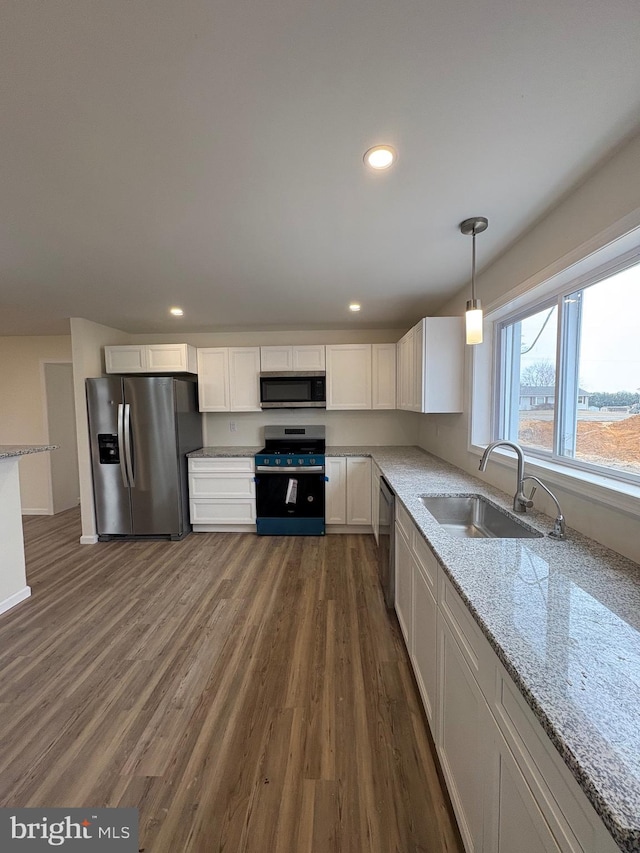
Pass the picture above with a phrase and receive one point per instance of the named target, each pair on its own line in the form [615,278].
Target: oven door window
[290,496]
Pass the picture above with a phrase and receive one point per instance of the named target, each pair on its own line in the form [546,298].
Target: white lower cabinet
[424,647]
[461,737]
[404,586]
[222,494]
[510,790]
[348,490]
[375,503]
[515,821]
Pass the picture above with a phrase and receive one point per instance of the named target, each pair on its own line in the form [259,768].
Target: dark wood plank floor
[245,693]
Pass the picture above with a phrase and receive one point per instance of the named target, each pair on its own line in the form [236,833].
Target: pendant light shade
[473,226]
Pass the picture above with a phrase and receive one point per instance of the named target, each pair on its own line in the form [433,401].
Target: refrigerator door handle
[123,468]
[127,444]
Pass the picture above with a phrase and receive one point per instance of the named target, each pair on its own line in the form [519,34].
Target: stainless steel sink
[473,517]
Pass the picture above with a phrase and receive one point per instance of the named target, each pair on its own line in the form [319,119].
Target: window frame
[565,401]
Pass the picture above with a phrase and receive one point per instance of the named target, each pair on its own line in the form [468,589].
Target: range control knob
[312,462]
[300,461]
[278,461]
[289,461]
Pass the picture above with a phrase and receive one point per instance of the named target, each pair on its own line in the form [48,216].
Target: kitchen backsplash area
[357,428]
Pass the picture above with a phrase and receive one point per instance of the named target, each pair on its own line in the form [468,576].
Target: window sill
[613,494]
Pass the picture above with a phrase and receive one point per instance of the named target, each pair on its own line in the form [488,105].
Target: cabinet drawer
[223,465]
[425,560]
[221,486]
[222,512]
[473,645]
[404,521]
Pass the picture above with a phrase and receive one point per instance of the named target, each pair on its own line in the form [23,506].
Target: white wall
[23,410]
[87,341]
[61,419]
[603,207]
[359,428]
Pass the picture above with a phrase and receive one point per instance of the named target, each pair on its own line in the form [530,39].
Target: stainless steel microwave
[286,390]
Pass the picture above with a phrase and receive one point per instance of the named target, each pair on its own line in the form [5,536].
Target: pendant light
[473,226]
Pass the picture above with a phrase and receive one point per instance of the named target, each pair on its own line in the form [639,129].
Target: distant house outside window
[568,377]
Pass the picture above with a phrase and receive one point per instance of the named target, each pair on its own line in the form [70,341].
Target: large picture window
[569,375]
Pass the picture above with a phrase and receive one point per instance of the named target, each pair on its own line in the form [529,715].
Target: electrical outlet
[233,426]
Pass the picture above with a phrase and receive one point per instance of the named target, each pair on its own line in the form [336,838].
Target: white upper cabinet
[244,379]
[361,376]
[430,369]
[309,357]
[298,358]
[150,358]
[228,379]
[349,376]
[383,376]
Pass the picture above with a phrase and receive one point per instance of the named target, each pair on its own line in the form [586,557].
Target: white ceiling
[208,153]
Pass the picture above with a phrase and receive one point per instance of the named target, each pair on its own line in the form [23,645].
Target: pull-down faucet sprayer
[520,501]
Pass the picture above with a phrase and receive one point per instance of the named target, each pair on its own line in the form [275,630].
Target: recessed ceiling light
[355,306]
[380,157]
[177,312]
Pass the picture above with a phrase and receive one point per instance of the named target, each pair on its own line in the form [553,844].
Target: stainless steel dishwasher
[386,543]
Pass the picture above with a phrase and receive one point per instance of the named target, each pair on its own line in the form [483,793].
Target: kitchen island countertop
[8,451]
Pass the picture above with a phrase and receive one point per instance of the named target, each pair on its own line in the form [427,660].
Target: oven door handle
[291,469]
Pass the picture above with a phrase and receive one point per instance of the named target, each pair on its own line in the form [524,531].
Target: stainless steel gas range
[290,481]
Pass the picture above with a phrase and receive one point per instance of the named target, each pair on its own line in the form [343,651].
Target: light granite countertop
[564,619]
[562,616]
[223,452]
[8,451]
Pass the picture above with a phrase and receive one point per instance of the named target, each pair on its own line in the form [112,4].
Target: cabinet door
[443,379]
[514,820]
[383,389]
[417,376]
[213,379]
[425,636]
[405,371]
[276,358]
[168,358]
[375,502]
[244,371]
[404,587]
[125,359]
[336,490]
[349,376]
[358,490]
[309,357]
[463,735]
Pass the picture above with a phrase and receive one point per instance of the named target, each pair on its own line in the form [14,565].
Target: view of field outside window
[600,408]
[608,425]
[536,395]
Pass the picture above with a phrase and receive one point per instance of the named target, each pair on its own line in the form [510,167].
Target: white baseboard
[92,539]
[14,599]
[35,511]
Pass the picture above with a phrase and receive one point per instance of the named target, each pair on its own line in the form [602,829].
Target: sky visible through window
[610,342]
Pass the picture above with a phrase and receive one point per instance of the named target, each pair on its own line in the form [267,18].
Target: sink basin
[473,517]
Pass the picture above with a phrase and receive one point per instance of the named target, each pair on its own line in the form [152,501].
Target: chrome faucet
[520,501]
[559,526]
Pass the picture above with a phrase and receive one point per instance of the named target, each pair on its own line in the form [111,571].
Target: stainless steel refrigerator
[140,430]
